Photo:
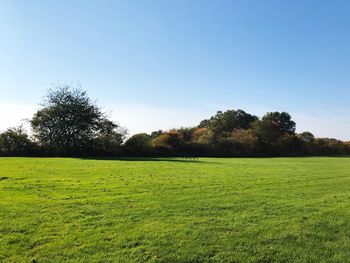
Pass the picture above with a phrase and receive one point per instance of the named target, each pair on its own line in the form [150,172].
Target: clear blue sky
[171,63]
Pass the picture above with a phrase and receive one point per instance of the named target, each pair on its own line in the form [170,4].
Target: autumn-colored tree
[203,136]
[169,142]
[246,141]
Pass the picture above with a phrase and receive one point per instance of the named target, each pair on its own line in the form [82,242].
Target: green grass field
[167,210]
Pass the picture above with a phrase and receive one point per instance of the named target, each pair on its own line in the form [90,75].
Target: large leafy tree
[69,121]
[281,120]
[223,123]
[273,125]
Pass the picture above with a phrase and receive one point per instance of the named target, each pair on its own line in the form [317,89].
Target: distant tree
[347,147]
[155,134]
[15,141]
[186,133]
[281,120]
[170,142]
[242,142]
[266,131]
[109,138]
[69,122]
[198,133]
[223,123]
[204,124]
[306,137]
[330,146]
[246,141]
[289,145]
[139,145]
[203,136]
[274,125]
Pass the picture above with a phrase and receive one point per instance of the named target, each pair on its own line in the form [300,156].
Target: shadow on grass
[149,159]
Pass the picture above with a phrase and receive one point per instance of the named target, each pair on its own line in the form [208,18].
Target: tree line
[69,123]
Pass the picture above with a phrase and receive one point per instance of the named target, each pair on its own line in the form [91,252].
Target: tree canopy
[223,123]
[14,141]
[69,123]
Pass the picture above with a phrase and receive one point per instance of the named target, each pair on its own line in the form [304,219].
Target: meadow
[170,210]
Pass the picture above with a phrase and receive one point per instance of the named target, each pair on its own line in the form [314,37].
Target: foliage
[274,125]
[307,137]
[281,120]
[223,123]
[70,123]
[14,141]
[109,138]
[139,145]
[170,142]
[246,141]
[186,133]
[203,136]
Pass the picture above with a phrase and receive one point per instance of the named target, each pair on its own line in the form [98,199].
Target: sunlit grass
[168,210]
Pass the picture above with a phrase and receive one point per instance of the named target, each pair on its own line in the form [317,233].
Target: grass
[166,210]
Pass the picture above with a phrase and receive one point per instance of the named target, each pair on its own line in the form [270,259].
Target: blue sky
[163,64]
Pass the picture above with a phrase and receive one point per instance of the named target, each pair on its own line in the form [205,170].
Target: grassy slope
[244,210]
